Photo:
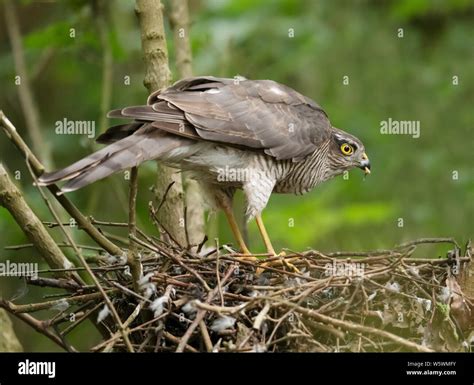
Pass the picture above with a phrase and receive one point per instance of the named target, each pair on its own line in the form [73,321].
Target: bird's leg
[269,246]
[264,234]
[235,229]
[224,201]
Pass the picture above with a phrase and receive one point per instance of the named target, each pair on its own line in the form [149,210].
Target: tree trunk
[8,339]
[179,19]
[12,199]
[155,54]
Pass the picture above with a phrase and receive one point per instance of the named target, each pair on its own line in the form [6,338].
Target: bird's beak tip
[365,164]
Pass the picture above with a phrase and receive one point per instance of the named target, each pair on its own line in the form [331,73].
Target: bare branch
[179,20]
[27,101]
[157,76]
[12,199]
[38,169]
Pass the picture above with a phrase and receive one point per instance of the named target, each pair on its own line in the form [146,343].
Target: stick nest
[384,300]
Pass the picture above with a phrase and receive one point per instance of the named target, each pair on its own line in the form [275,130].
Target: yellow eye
[347,149]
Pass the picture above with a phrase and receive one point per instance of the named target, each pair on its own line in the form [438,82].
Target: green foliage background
[409,78]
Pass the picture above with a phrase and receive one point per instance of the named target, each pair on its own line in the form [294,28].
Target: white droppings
[213,91]
[158,305]
[380,315]
[372,296]
[103,314]
[148,289]
[444,294]
[116,259]
[259,348]
[189,308]
[145,279]
[222,323]
[394,287]
[426,303]
[253,293]
[61,305]
[414,271]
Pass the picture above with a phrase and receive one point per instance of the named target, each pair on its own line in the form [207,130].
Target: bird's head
[346,152]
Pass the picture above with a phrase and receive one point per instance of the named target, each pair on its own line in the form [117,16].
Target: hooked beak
[365,164]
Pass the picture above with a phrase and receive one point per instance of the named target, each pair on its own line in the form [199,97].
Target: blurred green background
[309,45]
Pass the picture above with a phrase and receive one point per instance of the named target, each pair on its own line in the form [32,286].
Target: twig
[38,169]
[27,102]
[347,325]
[133,256]
[33,307]
[261,316]
[12,199]
[205,336]
[39,326]
[218,273]
[200,314]
[157,76]
[66,284]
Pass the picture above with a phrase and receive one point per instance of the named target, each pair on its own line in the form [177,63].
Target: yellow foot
[281,261]
[247,257]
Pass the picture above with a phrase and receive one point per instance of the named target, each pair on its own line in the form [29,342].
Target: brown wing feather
[255,114]
[260,114]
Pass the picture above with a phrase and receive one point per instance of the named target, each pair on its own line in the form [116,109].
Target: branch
[103,22]
[12,199]
[8,339]
[27,102]
[202,313]
[351,326]
[179,20]
[38,169]
[157,76]
[39,326]
[133,257]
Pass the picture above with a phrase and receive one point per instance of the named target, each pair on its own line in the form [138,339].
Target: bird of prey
[230,133]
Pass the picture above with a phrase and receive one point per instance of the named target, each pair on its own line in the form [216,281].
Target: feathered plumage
[205,124]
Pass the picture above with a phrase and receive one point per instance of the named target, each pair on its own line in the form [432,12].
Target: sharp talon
[248,257]
[281,262]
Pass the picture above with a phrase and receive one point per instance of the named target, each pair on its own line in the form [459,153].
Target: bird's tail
[143,145]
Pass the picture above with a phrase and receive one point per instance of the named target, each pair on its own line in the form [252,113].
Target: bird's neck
[303,176]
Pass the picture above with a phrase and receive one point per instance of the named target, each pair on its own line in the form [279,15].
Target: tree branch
[103,22]
[27,102]
[38,169]
[133,257]
[179,20]
[157,76]
[39,326]
[12,199]
[8,339]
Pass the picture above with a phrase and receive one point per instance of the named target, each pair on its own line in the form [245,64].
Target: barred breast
[301,177]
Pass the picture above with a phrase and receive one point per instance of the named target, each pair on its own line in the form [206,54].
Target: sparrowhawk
[256,135]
